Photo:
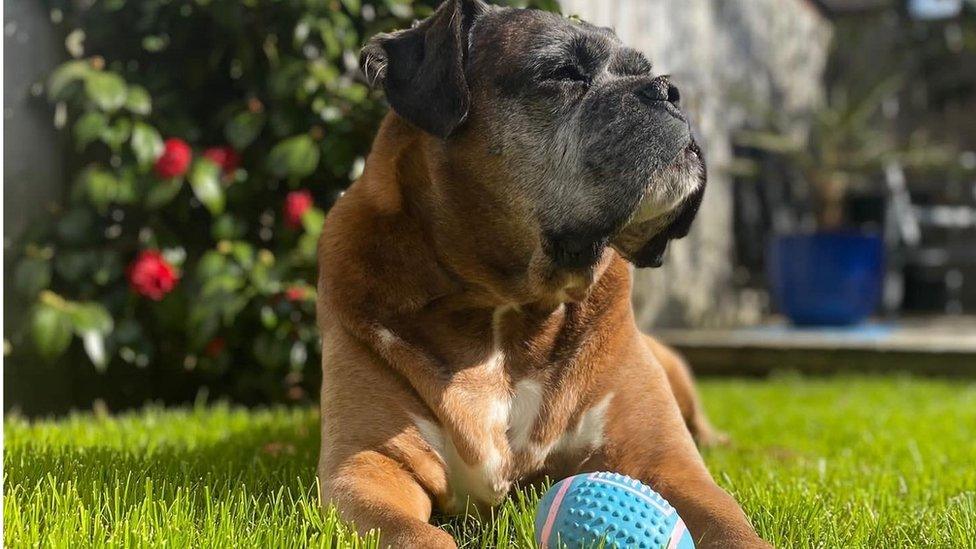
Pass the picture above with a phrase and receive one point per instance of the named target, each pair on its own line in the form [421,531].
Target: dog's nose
[659,89]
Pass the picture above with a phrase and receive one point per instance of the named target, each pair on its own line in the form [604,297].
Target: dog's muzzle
[666,211]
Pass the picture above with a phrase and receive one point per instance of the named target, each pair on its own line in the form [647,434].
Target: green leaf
[243,129]
[313,220]
[547,5]
[51,331]
[161,193]
[302,28]
[31,276]
[94,344]
[284,80]
[106,89]
[90,317]
[298,355]
[226,284]
[263,277]
[268,318]
[65,75]
[155,44]
[117,134]
[205,181]
[146,143]
[227,227]
[295,157]
[138,101]
[88,128]
[307,247]
[212,264]
[100,186]
[125,192]
[243,253]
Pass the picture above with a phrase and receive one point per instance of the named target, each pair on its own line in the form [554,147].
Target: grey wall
[33,168]
[33,173]
[728,57]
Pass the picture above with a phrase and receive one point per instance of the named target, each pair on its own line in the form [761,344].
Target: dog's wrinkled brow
[592,51]
[585,51]
[630,62]
[556,45]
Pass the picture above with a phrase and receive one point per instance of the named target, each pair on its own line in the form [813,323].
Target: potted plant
[823,270]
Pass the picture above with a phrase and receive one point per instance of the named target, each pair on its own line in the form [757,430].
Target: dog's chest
[499,431]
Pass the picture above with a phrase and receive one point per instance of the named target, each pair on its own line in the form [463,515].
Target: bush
[209,136]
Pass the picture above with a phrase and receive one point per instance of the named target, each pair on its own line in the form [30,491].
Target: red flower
[296,204]
[152,276]
[295,294]
[175,159]
[215,347]
[225,157]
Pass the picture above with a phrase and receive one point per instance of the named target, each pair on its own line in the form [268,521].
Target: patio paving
[936,345]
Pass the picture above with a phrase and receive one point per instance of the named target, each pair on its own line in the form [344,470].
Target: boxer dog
[474,288]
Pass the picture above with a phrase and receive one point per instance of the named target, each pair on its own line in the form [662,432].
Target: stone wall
[728,57]
[33,167]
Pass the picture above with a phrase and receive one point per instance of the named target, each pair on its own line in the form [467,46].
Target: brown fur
[433,305]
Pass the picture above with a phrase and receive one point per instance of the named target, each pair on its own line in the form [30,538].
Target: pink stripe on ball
[553,511]
[676,534]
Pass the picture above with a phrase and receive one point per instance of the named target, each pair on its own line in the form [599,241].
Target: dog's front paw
[707,436]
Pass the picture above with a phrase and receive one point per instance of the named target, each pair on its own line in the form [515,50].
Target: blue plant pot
[826,279]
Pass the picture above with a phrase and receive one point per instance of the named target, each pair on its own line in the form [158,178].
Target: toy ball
[608,510]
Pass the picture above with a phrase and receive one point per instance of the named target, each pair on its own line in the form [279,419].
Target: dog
[474,287]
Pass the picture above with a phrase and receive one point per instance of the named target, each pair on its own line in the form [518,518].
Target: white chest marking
[524,412]
[478,482]
[495,418]
[496,360]
[486,480]
[588,433]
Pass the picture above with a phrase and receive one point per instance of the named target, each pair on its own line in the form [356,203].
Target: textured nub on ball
[608,510]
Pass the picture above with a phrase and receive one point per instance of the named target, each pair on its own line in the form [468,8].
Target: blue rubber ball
[608,510]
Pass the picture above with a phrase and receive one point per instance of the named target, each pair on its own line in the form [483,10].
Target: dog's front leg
[374,492]
[374,466]
[646,439]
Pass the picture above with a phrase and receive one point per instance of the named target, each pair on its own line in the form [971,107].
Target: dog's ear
[652,254]
[422,69]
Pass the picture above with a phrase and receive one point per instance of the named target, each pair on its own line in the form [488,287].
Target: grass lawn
[846,462]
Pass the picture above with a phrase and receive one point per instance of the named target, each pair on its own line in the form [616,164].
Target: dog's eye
[568,73]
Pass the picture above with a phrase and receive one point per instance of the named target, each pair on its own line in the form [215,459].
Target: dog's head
[595,147]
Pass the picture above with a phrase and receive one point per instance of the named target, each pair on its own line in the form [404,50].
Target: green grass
[848,462]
